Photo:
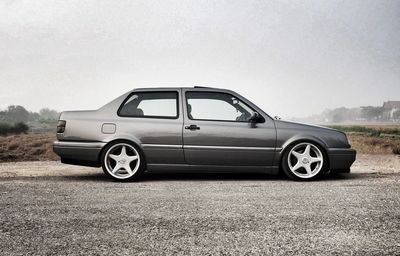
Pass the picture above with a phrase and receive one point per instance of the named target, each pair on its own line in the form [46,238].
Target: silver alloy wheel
[122,161]
[305,160]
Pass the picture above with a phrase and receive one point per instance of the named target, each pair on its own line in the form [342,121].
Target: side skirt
[211,168]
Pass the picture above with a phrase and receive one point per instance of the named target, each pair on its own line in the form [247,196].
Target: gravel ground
[50,209]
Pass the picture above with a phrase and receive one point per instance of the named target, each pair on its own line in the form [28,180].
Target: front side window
[151,104]
[216,106]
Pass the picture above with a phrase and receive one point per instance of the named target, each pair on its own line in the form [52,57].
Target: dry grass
[27,147]
[366,144]
[373,138]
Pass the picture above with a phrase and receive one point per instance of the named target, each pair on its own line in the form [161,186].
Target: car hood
[302,126]
[332,138]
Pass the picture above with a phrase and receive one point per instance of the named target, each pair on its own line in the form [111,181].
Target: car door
[217,130]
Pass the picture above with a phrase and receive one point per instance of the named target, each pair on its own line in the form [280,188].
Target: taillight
[61,126]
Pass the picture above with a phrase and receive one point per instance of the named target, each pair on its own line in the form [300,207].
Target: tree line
[16,119]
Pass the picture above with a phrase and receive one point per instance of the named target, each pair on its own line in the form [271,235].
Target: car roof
[178,88]
[196,87]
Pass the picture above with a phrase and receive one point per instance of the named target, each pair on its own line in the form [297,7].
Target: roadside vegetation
[16,128]
[373,139]
[372,131]
[27,147]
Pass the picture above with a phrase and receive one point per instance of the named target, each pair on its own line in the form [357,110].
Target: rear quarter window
[150,105]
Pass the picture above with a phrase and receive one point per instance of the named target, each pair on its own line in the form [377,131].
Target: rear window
[150,105]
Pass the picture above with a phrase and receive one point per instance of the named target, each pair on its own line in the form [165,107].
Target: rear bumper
[79,153]
[341,159]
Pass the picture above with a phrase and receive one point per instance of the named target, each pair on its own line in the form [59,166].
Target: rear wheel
[122,161]
[304,161]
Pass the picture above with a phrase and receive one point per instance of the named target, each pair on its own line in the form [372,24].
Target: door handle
[192,127]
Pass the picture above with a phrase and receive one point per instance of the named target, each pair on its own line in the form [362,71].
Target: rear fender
[123,136]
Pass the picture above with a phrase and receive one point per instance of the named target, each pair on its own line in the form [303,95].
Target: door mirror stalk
[254,119]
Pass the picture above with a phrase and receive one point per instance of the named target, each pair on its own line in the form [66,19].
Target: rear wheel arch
[115,141]
[136,171]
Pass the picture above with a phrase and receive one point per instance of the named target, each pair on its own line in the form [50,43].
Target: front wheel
[122,161]
[304,161]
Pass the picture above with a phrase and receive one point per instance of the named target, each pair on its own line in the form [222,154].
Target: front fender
[305,137]
[298,138]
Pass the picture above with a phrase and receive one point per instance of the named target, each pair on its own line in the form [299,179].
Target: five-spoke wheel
[122,161]
[304,161]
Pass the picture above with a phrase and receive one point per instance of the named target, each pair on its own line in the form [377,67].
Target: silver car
[196,129]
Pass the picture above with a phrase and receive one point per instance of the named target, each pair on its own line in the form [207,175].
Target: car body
[196,129]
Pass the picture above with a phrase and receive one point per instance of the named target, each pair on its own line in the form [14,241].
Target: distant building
[391,110]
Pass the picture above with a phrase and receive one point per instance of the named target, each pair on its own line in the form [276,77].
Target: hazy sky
[293,58]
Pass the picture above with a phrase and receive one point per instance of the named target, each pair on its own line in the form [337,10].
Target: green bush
[17,128]
[20,128]
[4,128]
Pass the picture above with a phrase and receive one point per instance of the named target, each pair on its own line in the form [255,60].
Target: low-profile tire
[123,161]
[304,161]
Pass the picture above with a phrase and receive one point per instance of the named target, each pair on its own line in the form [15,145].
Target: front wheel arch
[295,142]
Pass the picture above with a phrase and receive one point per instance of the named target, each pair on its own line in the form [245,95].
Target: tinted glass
[217,106]
[151,104]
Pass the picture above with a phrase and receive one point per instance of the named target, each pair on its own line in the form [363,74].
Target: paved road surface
[79,211]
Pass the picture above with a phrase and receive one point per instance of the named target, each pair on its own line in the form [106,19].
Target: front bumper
[79,153]
[341,159]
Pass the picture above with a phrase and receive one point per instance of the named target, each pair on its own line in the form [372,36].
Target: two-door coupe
[196,129]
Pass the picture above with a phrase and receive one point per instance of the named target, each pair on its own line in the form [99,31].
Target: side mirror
[255,118]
